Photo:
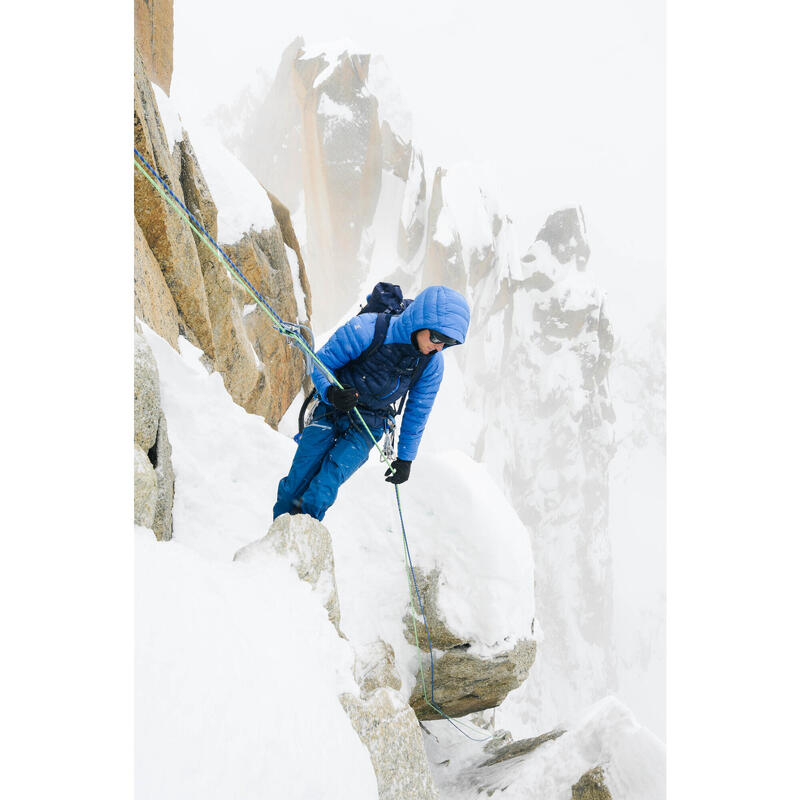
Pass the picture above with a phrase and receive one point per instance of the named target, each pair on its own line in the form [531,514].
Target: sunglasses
[440,338]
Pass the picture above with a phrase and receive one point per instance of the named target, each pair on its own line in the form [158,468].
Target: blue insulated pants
[331,448]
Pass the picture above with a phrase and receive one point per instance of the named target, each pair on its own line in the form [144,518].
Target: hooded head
[437,308]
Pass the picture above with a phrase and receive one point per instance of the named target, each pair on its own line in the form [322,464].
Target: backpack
[386,300]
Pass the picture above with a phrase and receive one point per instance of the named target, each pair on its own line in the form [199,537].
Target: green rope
[275,319]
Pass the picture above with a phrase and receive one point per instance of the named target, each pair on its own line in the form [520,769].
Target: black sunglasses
[440,338]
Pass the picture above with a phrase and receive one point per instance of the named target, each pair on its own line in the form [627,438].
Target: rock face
[167,235]
[181,287]
[591,786]
[463,682]
[153,303]
[307,544]
[375,668]
[389,730]
[153,34]
[154,479]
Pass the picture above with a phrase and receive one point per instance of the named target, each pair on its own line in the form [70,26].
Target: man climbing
[377,358]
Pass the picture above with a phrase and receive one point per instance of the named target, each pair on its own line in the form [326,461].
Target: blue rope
[432,702]
[210,238]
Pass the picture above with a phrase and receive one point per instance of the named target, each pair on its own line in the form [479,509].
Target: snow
[606,735]
[217,701]
[392,107]
[469,204]
[241,201]
[170,116]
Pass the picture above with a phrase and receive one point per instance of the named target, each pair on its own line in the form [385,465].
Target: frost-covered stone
[512,749]
[161,457]
[154,478]
[389,730]
[145,489]
[375,668]
[465,683]
[307,544]
[146,394]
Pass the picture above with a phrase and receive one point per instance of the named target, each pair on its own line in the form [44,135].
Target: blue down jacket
[385,375]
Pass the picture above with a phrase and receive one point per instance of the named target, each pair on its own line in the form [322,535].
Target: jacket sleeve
[347,343]
[418,408]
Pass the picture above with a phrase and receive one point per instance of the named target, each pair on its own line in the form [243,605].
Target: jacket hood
[438,307]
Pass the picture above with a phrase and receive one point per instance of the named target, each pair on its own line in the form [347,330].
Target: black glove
[401,471]
[343,399]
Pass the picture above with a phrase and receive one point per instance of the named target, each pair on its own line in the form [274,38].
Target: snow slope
[238,671]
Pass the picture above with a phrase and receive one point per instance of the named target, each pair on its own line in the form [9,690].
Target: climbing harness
[291,331]
[294,334]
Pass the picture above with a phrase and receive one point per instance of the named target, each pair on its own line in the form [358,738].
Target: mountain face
[349,203]
[322,141]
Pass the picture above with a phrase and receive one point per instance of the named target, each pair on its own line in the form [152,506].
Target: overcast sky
[565,101]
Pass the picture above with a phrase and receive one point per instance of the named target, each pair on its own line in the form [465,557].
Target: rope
[412,578]
[291,331]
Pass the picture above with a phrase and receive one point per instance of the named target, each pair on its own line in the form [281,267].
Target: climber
[373,373]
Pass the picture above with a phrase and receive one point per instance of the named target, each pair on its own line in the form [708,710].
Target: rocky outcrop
[591,786]
[564,233]
[307,545]
[154,479]
[389,730]
[233,355]
[153,34]
[168,235]
[463,682]
[182,287]
[261,256]
[375,668]
[521,748]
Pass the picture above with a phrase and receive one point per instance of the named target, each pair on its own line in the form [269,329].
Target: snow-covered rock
[154,478]
[465,683]
[307,545]
[605,738]
[389,730]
